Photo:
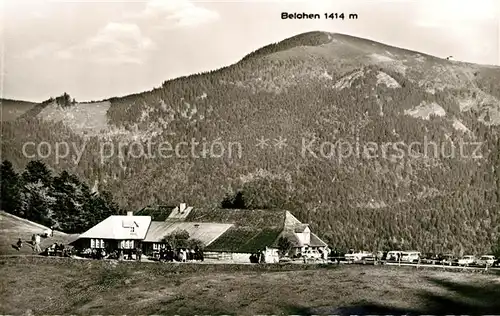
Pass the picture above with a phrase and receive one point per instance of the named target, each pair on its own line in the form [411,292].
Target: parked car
[497,263]
[311,254]
[446,259]
[410,256]
[337,256]
[369,259]
[379,255]
[466,261]
[486,260]
[393,255]
[285,259]
[429,258]
[357,256]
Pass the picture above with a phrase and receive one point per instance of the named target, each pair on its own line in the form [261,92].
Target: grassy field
[61,286]
[12,228]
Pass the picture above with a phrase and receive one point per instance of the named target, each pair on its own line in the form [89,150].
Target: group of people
[258,257]
[182,255]
[98,254]
[128,254]
[53,250]
[56,250]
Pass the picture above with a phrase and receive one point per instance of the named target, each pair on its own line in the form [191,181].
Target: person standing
[37,244]
[162,254]
[139,254]
[19,244]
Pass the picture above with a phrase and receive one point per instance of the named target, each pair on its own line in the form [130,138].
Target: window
[92,243]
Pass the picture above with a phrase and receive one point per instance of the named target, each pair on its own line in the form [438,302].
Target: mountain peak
[313,38]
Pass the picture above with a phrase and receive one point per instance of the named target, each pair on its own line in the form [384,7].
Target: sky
[99,49]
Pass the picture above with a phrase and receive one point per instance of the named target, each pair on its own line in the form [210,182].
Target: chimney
[182,207]
[130,213]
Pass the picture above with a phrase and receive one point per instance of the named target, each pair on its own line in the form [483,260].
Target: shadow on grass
[361,308]
[463,299]
[459,299]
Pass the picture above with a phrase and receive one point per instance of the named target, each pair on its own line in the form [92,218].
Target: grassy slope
[12,109]
[12,228]
[62,286]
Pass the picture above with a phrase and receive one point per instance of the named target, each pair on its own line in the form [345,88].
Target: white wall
[304,237]
[229,257]
[307,236]
[240,257]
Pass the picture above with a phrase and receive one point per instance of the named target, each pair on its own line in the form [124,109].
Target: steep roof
[120,227]
[239,217]
[245,239]
[159,213]
[252,230]
[205,232]
[316,241]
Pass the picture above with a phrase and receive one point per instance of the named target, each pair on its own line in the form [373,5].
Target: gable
[301,228]
[180,212]
[127,223]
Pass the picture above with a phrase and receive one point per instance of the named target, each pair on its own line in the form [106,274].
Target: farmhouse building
[116,232]
[231,234]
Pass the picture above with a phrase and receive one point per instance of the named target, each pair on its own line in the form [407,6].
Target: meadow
[40,285]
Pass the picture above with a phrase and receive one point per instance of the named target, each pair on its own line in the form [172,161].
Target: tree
[177,239]
[194,243]
[72,196]
[284,246]
[62,201]
[10,185]
[37,171]
[37,203]
[234,202]
[65,100]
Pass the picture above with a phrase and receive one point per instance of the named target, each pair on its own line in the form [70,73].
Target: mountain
[380,146]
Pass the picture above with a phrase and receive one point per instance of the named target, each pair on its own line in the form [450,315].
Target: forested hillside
[315,88]
[62,201]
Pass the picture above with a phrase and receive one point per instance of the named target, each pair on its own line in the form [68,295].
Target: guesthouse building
[226,234]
